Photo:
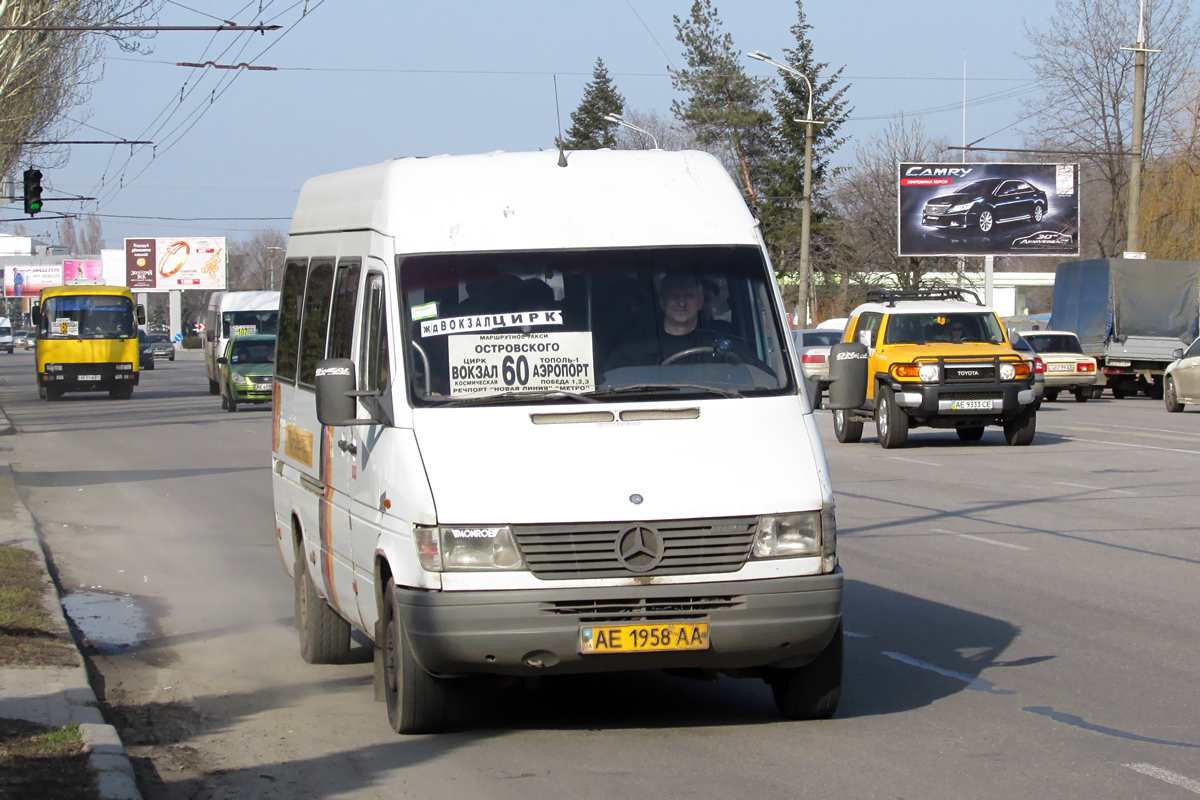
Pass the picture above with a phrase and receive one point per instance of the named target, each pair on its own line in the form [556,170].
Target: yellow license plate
[643,638]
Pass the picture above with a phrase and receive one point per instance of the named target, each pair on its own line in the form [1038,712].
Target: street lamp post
[806,204]
[271,262]
[617,118]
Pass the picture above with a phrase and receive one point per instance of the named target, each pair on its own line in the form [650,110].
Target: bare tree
[863,218]
[1170,213]
[251,262]
[1087,82]
[45,73]
[88,240]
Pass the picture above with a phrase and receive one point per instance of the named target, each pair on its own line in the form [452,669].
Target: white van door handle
[348,447]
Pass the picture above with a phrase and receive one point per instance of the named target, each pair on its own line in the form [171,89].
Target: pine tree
[589,130]
[722,105]
[781,209]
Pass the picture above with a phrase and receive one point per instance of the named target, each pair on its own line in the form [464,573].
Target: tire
[324,636]
[1097,392]
[1050,394]
[986,221]
[1083,394]
[970,434]
[814,393]
[1156,391]
[1171,396]
[149,366]
[1038,212]
[417,702]
[224,402]
[114,394]
[231,404]
[1118,393]
[1019,430]
[847,431]
[214,387]
[890,420]
[812,691]
[172,358]
[53,394]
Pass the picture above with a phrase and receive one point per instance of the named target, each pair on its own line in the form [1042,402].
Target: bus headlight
[788,536]
[474,548]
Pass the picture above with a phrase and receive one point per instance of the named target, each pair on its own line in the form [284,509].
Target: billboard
[161,265]
[27,281]
[83,271]
[988,209]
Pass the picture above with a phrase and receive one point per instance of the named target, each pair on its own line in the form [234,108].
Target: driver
[681,298]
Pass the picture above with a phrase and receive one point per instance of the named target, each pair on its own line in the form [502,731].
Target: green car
[246,370]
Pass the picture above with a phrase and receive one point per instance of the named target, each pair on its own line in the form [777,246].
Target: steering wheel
[728,356]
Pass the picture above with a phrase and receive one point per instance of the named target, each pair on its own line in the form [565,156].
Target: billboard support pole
[989,264]
[176,312]
[1132,232]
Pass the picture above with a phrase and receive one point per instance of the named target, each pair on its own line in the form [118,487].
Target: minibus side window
[373,365]
[345,298]
[291,296]
[314,328]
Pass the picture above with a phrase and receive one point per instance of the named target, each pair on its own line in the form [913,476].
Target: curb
[106,753]
[6,427]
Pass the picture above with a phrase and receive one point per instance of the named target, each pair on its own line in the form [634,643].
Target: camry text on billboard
[988,209]
[172,264]
[28,280]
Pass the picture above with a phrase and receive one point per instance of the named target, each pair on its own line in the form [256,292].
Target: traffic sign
[179,337]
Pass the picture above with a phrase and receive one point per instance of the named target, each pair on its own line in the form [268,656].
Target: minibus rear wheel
[417,702]
[324,636]
[811,691]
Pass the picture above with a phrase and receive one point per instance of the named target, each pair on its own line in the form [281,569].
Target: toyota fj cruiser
[933,358]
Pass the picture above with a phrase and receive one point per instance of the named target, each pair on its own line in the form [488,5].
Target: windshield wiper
[532,397]
[648,388]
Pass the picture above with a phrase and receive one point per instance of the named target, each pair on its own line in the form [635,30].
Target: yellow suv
[934,358]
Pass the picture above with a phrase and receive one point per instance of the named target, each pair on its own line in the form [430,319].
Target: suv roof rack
[890,296]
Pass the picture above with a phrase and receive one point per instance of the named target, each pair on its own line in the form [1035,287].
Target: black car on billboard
[984,204]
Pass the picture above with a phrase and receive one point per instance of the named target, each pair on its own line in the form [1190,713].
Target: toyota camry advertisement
[989,209]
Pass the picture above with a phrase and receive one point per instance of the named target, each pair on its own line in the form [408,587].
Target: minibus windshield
[87,317]
[246,323]
[252,352]
[612,325]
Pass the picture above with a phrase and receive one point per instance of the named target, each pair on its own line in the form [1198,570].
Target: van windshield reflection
[617,325]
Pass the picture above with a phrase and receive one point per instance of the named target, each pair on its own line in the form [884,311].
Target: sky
[364,81]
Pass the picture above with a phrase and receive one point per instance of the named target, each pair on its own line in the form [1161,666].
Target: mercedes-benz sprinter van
[532,419]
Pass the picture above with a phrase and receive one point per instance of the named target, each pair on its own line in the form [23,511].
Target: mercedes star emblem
[640,548]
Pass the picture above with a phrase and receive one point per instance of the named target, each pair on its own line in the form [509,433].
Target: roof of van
[244,301]
[85,288]
[519,201]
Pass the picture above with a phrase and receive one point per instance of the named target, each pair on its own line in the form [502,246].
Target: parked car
[162,346]
[837,323]
[981,206]
[1039,366]
[1067,368]
[1182,379]
[246,370]
[20,339]
[812,347]
[145,351]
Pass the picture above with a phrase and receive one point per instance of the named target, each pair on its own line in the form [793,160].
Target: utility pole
[1132,233]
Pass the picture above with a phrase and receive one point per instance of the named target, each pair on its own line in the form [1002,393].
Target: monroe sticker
[483,364]
[487,322]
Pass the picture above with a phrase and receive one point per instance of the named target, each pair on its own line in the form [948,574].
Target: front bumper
[923,401]
[960,221]
[776,622]
[250,393]
[88,378]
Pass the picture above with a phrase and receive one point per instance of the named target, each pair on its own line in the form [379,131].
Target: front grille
[971,374]
[936,210]
[641,609]
[970,396]
[560,552]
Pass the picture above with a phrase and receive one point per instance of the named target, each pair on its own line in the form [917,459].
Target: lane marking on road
[1093,488]
[983,539]
[974,683]
[1166,776]
[854,635]
[1138,428]
[1145,434]
[914,461]
[1127,444]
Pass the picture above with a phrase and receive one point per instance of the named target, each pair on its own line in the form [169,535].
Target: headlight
[928,373]
[453,549]
[124,367]
[788,536]
[961,208]
[240,379]
[1007,372]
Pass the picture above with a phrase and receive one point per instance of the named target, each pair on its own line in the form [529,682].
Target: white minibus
[539,420]
[232,314]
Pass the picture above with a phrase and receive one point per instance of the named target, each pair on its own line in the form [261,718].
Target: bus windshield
[87,317]
[248,323]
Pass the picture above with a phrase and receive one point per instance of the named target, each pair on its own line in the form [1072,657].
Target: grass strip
[41,763]
[29,636]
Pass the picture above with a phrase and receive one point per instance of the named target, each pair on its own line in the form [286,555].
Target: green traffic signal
[33,191]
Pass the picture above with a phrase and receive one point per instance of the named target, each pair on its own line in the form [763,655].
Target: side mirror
[336,392]
[222,360]
[864,338]
[141,314]
[1178,353]
[35,313]
[847,376]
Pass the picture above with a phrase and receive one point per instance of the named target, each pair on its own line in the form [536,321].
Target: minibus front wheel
[417,702]
[811,691]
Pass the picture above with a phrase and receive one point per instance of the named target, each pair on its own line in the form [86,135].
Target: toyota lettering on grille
[967,373]
[640,547]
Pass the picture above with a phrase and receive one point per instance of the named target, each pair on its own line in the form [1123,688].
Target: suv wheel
[1020,429]
[847,431]
[986,220]
[890,420]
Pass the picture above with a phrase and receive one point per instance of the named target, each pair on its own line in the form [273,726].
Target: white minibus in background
[235,314]
[537,420]
[6,334]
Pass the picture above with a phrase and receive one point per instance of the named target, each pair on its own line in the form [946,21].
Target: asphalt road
[1022,622]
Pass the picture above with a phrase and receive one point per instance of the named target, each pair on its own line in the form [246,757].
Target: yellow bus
[87,340]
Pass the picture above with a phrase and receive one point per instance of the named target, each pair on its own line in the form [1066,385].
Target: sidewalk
[57,696]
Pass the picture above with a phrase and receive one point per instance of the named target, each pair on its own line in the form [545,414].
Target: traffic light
[33,191]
